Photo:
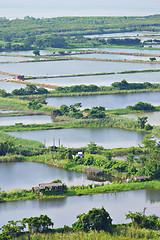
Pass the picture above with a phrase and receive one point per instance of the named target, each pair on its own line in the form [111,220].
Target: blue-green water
[112,101]
[72,67]
[80,137]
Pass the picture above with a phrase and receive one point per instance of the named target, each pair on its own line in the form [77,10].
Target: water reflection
[153,117]
[108,101]
[64,211]
[25,175]
[51,68]
[33,119]
[153,195]
[80,137]
[101,80]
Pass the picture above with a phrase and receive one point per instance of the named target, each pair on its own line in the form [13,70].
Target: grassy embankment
[110,121]
[13,103]
[120,232]
[21,195]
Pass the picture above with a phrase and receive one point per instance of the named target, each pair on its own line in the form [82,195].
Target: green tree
[38,224]
[92,148]
[95,219]
[36,52]
[142,121]
[149,142]
[11,230]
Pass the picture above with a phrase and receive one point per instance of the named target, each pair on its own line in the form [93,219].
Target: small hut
[95,174]
[57,187]
[19,77]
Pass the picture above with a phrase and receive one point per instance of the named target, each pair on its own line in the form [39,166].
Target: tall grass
[23,146]
[123,233]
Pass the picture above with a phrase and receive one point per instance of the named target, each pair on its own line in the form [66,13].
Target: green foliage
[92,148]
[6,147]
[142,107]
[34,104]
[36,52]
[30,89]
[19,146]
[95,219]
[143,221]
[142,121]
[124,42]
[124,85]
[11,230]
[38,224]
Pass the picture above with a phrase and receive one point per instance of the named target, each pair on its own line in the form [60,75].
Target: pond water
[4,77]
[80,137]
[123,34]
[27,53]
[108,101]
[33,119]
[64,211]
[13,59]
[10,86]
[25,175]
[113,56]
[101,80]
[125,50]
[153,117]
[7,111]
[72,67]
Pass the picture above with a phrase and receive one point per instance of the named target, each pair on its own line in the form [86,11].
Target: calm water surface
[10,86]
[123,34]
[27,53]
[34,119]
[71,67]
[101,80]
[113,56]
[64,211]
[4,77]
[80,137]
[125,50]
[153,117]
[107,101]
[25,175]
[12,59]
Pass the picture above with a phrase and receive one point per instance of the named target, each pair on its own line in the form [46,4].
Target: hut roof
[94,170]
[59,184]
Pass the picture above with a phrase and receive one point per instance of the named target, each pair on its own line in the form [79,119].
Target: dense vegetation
[17,146]
[27,33]
[96,224]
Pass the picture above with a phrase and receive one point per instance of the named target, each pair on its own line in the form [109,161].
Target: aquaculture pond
[123,34]
[10,86]
[31,119]
[101,80]
[65,67]
[113,56]
[80,137]
[27,53]
[126,50]
[112,101]
[63,211]
[13,59]
[25,175]
[153,117]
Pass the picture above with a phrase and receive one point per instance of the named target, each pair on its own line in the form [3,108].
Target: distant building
[80,154]
[57,187]
[94,172]
[19,77]
[136,178]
